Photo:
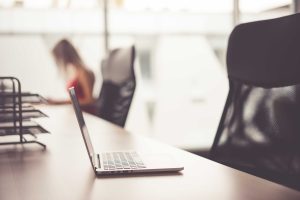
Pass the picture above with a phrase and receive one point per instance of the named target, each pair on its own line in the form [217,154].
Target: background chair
[118,86]
[259,131]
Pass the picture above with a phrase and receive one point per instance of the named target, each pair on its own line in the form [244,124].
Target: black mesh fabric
[259,131]
[115,100]
[261,128]
[118,86]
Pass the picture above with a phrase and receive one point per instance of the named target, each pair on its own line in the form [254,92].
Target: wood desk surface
[63,171]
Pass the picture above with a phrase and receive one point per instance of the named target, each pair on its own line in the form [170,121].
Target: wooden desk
[63,171]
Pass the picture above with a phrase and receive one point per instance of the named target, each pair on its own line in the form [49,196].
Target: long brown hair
[65,53]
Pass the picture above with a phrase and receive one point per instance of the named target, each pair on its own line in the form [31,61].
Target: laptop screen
[82,125]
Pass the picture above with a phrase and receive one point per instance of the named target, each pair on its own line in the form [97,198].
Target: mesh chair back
[260,125]
[118,86]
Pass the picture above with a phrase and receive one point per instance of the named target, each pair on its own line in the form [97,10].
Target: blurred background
[181,50]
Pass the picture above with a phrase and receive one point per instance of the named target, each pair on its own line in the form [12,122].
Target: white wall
[27,58]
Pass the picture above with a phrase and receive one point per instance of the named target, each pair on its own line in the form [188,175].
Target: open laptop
[121,162]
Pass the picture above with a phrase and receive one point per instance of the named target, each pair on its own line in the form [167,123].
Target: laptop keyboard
[121,160]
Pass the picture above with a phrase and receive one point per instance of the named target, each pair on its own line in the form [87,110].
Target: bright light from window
[37,3]
[6,3]
[83,3]
[61,3]
[200,6]
[203,6]
[262,5]
[177,5]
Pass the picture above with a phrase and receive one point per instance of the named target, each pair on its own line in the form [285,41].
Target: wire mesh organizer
[16,113]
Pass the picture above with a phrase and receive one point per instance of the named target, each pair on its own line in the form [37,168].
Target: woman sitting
[75,72]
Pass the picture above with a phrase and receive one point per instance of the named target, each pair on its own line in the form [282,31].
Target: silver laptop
[121,162]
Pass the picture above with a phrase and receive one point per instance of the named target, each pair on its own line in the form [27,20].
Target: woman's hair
[65,53]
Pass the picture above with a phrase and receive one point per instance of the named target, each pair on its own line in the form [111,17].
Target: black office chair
[118,86]
[259,131]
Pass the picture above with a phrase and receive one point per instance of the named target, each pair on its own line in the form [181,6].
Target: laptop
[123,161]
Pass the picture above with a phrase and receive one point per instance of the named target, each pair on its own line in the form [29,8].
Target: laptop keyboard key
[122,160]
